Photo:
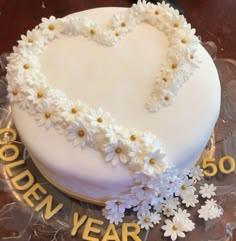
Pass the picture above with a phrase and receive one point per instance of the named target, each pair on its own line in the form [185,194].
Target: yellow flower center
[92,32]
[183,41]
[191,56]
[40,94]
[47,115]
[174,66]
[166,98]
[133,138]
[26,66]
[99,120]
[117,34]
[176,25]
[152,161]
[168,210]
[156,12]
[30,40]
[51,27]
[118,150]
[73,110]
[164,79]
[123,24]
[174,227]
[81,133]
[183,187]
[15,92]
[146,220]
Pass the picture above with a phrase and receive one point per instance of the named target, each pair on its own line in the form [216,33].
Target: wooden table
[214,20]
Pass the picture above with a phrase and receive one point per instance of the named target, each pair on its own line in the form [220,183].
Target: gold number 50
[210,163]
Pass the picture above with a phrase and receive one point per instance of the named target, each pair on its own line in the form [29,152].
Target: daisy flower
[142,192]
[189,199]
[25,68]
[196,173]
[46,114]
[92,30]
[78,133]
[168,211]
[172,202]
[185,38]
[116,152]
[115,35]
[37,93]
[165,79]
[58,97]
[193,57]
[123,21]
[177,22]
[210,210]
[112,132]
[166,97]
[182,215]
[173,229]
[150,142]
[186,187]
[142,207]
[99,118]
[173,64]
[148,219]
[70,110]
[207,191]
[51,27]
[118,205]
[136,158]
[14,92]
[156,16]
[141,178]
[132,136]
[113,217]
[32,38]
[153,163]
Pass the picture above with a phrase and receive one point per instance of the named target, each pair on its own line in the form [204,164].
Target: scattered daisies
[154,198]
[210,210]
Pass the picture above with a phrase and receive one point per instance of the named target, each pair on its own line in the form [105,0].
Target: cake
[110,97]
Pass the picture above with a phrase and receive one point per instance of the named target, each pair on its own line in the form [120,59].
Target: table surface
[214,20]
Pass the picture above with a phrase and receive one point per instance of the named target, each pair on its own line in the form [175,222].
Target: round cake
[104,95]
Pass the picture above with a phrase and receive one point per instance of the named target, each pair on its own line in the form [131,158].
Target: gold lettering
[10,166]
[6,139]
[13,152]
[33,192]
[88,228]
[111,233]
[20,184]
[49,212]
[77,223]
[132,234]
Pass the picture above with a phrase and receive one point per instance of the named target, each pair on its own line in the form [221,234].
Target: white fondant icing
[119,79]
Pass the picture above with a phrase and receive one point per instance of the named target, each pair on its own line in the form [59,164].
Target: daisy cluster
[166,197]
[81,124]
[182,55]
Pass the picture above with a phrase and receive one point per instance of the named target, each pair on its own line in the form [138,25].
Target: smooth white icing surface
[119,79]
